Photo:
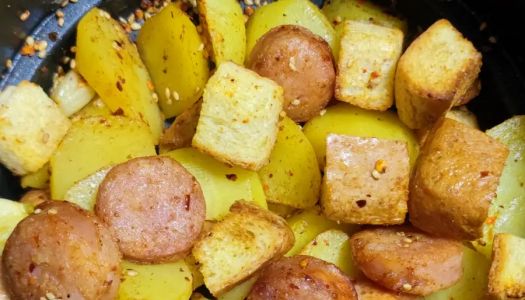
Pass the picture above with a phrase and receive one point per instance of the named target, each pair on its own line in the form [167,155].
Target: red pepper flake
[187,202]
[374,75]
[25,15]
[491,220]
[118,112]
[361,203]
[484,174]
[27,50]
[232,177]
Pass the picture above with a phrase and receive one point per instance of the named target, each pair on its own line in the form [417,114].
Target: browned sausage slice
[153,206]
[302,277]
[302,63]
[61,251]
[404,259]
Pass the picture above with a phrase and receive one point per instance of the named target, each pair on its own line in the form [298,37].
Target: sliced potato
[221,184]
[507,210]
[292,180]
[37,180]
[94,143]
[95,108]
[173,52]
[11,213]
[288,12]
[350,120]
[224,22]
[167,281]
[111,65]
[84,192]
[240,291]
[473,283]
[333,246]
[308,224]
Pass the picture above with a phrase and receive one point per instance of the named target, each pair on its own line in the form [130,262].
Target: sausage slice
[302,63]
[62,251]
[404,259]
[153,206]
[302,277]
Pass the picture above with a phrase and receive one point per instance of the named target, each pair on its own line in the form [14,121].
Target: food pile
[295,153]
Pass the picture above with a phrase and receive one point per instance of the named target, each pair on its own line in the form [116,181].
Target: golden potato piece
[302,63]
[181,131]
[366,180]
[172,51]
[38,179]
[302,277]
[436,70]
[454,181]
[403,259]
[239,116]
[235,248]
[507,272]
[367,64]
[11,212]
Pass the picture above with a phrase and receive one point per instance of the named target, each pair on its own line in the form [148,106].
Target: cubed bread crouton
[438,69]
[244,241]
[367,64]
[366,180]
[31,127]
[71,93]
[455,179]
[507,272]
[239,116]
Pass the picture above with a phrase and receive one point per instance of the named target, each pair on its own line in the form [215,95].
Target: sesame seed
[493,40]
[60,22]
[8,63]
[25,15]
[37,211]
[65,60]
[167,92]
[116,46]
[30,40]
[201,47]
[282,114]
[257,2]
[50,296]
[176,95]
[42,54]
[291,64]
[482,26]
[99,103]
[132,273]
[407,240]
[303,263]
[41,45]
[380,166]
[72,64]
[322,112]
[375,174]
[59,13]
[52,211]
[64,3]
[155,97]
[407,286]
[73,49]
[73,1]
[338,19]
[248,2]
[135,26]
[296,102]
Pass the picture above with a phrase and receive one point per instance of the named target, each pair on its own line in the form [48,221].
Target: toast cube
[367,64]
[438,69]
[366,180]
[246,239]
[455,180]
[239,116]
[31,127]
[507,272]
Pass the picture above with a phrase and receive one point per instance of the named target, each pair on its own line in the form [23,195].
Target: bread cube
[366,180]
[239,116]
[367,64]
[507,272]
[438,69]
[31,127]
[245,240]
[71,93]
[455,180]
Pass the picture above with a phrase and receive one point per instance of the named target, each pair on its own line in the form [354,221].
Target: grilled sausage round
[302,277]
[64,251]
[153,206]
[404,259]
[302,63]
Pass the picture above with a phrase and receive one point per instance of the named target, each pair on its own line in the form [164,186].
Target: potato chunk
[507,272]
[455,179]
[403,259]
[31,127]
[436,70]
[111,65]
[173,52]
[367,63]
[239,116]
[366,180]
[11,213]
[244,241]
[71,93]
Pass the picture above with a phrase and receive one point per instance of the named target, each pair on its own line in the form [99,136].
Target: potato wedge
[172,50]
[346,119]
[333,246]
[37,180]
[221,184]
[84,192]
[308,224]
[507,210]
[94,143]
[11,213]
[111,65]
[223,21]
[292,180]
[167,281]
[291,12]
